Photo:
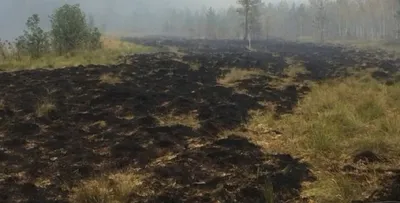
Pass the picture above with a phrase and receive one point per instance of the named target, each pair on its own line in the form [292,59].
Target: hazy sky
[132,3]
[213,3]
[226,3]
[13,13]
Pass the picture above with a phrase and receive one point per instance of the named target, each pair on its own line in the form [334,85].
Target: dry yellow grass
[294,68]
[44,107]
[111,188]
[170,119]
[175,49]
[100,124]
[114,43]
[110,78]
[194,66]
[333,122]
[112,49]
[129,116]
[237,74]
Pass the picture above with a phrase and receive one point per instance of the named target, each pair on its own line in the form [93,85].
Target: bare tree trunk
[249,39]
[246,24]
[301,30]
[321,31]
[322,38]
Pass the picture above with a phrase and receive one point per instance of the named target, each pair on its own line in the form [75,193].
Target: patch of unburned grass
[109,78]
[170,119]
[293,69]
[100,124]
[333,122]
[44,107]
[112,49]
[175,50]
[194,66]
[112,188]
[129,116]
[333,188]
[237,74]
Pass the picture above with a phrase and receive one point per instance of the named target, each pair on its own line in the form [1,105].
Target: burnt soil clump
[60,126]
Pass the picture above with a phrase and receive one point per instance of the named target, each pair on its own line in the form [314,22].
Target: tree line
[71,30]
[318,19]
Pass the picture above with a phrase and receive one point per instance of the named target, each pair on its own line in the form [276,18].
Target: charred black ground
[89,133]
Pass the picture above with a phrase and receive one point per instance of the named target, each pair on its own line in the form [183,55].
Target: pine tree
[249,10]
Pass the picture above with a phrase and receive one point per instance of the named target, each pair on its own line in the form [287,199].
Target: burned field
[175,120]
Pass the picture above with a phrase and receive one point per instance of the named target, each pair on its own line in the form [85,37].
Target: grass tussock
[44,107]
[338,119]
[100,124]
[194,66]
[110,79]
[333,188]
[294,69]
[237,74]
[112,49]
[113,188]
[333,122]
[171,119]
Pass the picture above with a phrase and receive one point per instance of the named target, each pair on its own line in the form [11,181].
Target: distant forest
[315,19]
[318,19]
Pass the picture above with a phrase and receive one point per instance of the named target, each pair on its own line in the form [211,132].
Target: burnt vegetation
[200,120]
[91,126]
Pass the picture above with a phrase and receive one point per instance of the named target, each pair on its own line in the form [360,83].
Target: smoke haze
[117,16]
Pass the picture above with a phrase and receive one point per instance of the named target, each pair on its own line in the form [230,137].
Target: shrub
[3,49]
[94,39]
[71,31]
[34,41]
[20,46]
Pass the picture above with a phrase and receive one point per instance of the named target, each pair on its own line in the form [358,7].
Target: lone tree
[34,41]
[249,9]
[320,17]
